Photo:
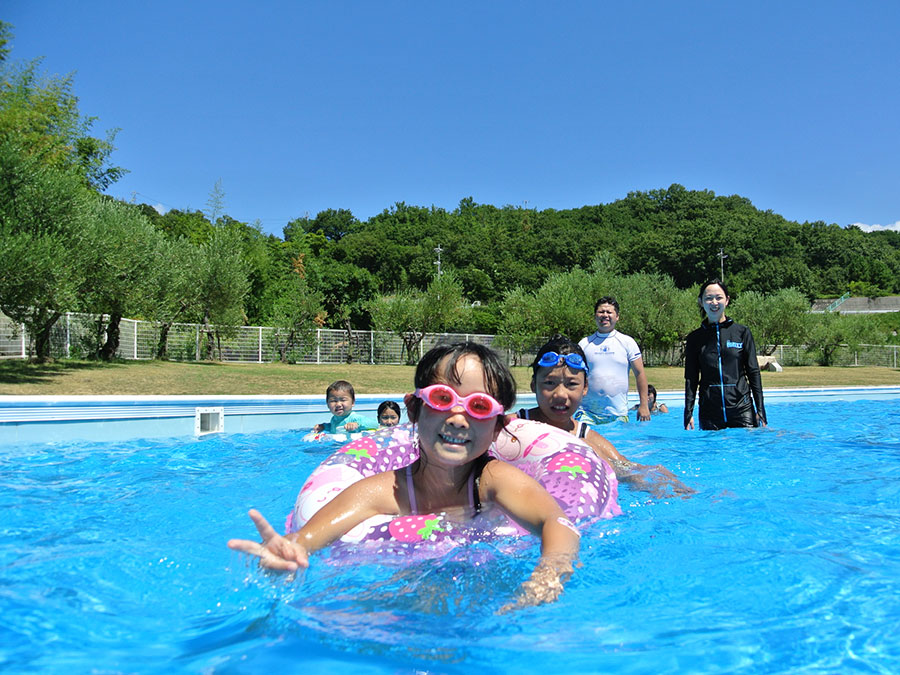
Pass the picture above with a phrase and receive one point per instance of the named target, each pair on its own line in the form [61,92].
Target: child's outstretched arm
[532,506]
[360,423]
[657,480]
[359,501]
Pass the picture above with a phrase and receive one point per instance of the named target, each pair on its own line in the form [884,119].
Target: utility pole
[437,262]
[722,257]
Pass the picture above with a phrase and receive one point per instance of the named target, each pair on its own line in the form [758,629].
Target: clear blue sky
[302,106]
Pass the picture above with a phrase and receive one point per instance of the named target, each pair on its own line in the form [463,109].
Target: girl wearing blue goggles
[559,392]
[553,359]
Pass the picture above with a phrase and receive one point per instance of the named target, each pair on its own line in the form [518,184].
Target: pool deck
[42,419]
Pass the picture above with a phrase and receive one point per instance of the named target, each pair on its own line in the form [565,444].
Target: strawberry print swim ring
[326,437]
[584,485]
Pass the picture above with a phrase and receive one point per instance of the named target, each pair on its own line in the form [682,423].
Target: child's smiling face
[340,403]
[452,438]
[388,418]
[559,391]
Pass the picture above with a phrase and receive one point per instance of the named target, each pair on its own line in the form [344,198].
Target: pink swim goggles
[479,405]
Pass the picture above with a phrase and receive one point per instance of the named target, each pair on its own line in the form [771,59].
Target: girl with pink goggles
[441,397]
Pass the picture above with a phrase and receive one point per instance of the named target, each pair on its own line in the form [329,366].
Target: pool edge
[46,418]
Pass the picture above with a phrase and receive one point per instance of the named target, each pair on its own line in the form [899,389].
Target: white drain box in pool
[209,421]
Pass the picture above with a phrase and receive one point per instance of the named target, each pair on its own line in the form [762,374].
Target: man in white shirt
[610,354]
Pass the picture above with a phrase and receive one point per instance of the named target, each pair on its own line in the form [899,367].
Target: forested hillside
[673,231]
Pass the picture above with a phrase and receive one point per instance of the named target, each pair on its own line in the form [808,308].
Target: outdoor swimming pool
[113,559]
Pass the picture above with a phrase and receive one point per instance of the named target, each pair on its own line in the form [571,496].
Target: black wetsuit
[721,359]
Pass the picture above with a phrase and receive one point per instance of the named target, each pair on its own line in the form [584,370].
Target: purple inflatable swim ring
[584,485]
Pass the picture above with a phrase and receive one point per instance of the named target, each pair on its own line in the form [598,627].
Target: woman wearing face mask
[720,359]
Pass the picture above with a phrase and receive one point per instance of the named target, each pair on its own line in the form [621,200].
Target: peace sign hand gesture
[274,552]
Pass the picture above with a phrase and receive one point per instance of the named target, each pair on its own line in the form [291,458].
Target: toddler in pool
[340,397]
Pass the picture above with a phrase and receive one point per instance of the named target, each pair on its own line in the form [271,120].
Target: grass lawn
[164,377]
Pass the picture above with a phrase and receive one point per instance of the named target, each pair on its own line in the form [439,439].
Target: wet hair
[560,344]
[432,369]
[651,390]
[341,385]
[711,282]
[607,300]
[388,405]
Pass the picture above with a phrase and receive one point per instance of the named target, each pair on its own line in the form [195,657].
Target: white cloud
[160,209]
[875,228]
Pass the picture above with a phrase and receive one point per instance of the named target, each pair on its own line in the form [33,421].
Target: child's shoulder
[378,486]
[498,471]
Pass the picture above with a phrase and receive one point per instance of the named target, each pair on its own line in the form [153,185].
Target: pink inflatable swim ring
[584,485]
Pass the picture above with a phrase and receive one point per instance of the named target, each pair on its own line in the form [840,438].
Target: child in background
[388,414]
[462,391]
[560,381]
[651,399]
[651,402]
[340,397]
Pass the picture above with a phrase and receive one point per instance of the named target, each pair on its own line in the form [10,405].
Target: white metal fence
[864,355]
[76,336]
[800,355]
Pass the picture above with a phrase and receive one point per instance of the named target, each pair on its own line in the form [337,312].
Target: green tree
[653,310]
[484,319]
[215,203]
[190,225]
[50,169]
[411,314]
[173,288]
[120,249]
[262,269]
[779,318]
[222,286]
[563,304]
[830,331]
[770,274]
[43,211]
[332,224]
[864,289]
[656,313]
[296,315]
[42,112]
[345,290]
[520,330]
[5,37]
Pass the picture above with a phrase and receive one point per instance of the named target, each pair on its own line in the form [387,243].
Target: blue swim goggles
[552,359]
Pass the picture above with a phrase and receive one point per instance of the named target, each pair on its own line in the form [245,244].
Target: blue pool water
[113,560]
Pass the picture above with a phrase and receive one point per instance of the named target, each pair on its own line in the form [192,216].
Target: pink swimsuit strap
[411,491]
